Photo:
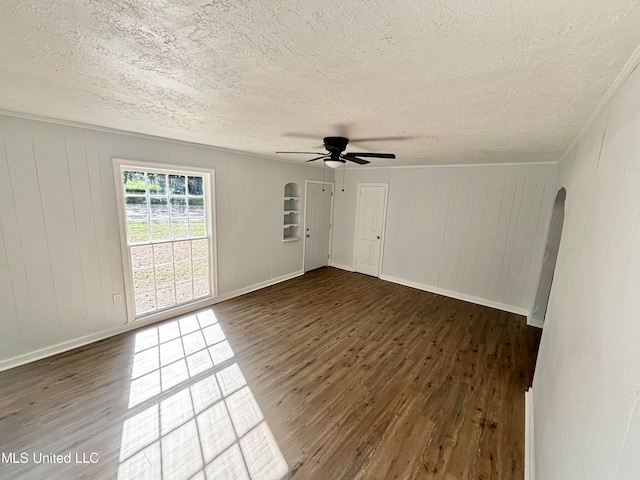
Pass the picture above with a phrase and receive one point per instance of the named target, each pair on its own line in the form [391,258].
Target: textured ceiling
[470,82]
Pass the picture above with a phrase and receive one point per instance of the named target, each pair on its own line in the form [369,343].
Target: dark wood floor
[348,377]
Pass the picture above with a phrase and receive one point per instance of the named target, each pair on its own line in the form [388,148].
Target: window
[166,218]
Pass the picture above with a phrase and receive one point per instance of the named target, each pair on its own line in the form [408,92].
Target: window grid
[168,196]
[193,277]
[187,262]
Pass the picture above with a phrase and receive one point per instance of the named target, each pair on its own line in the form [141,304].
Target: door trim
[384,223]
[304,218]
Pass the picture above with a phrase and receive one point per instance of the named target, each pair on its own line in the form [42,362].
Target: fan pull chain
[324,171]
[344,168]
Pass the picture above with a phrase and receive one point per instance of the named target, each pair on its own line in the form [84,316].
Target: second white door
[372,206]
[317,225]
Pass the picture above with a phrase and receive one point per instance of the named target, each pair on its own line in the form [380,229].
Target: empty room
[320,240]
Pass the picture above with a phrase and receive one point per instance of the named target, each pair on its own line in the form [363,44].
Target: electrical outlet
[117,297]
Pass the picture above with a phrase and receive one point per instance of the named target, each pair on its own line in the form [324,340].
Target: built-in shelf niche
[291,222]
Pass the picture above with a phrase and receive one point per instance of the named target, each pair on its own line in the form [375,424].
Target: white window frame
[120,165]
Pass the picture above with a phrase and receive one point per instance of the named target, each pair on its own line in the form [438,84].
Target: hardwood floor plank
[355,377]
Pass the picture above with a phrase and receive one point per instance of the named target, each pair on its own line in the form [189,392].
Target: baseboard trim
[535,323]
[257,286]
[66,346]
[529,442]
[458,296]
[101,335]
[342,266]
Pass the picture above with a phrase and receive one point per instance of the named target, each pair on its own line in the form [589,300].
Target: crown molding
[98,128]
[116,131]
[458,165]
[629,67]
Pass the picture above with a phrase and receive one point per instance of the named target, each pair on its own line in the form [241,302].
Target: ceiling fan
[336,158]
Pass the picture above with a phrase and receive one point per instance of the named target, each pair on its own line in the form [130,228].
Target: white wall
[587,381]
[60,257]
[486,224]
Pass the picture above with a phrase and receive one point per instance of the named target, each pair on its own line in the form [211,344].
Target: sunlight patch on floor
[211,429]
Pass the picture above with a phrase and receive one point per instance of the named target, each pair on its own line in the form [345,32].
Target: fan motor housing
[335,144]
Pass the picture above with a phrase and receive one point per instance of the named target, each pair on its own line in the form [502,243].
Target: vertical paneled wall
[475,232]
[60,260]
[586,388]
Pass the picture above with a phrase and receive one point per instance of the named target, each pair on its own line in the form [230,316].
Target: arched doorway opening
[549,262]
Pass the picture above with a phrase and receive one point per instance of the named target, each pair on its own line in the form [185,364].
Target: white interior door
[372,207]
[317,225]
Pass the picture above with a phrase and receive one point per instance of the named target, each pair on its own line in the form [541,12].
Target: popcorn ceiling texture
[473,82]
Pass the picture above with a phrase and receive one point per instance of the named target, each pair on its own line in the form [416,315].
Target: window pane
[157,183]
[160,230]
[163,253]
[181,251]
[145,302]
[183,272]
[136,208]
[195,186]
[166,296]
[200,268]
[143,280]
[184,292]
[177,185]
[159,210]
[134,182]
[142,256]
[196,207]
[179,229]
[200,248]
[164,275]
[196,228]
[179,223]
[201,288]
[196,217]
[178,208]
[137,232]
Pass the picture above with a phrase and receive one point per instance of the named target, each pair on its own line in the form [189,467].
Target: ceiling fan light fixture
[334,163]
[335,156]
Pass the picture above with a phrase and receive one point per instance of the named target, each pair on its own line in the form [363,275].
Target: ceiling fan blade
[304,153]
[382,139]
[318,158]
[357,160]
[370,155]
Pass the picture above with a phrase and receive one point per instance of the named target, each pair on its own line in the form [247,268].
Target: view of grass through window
[167,238]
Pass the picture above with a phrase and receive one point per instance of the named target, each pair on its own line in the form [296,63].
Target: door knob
[378,237]
[308,235]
